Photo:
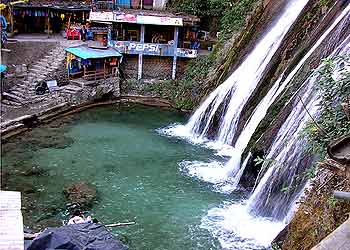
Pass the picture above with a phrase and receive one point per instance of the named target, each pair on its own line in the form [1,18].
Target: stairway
[23,93]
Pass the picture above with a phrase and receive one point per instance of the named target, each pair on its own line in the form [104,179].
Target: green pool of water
[135,170]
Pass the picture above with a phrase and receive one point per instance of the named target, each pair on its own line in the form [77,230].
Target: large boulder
[81,193]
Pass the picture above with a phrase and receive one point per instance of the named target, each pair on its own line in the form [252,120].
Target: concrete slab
[11,221]
[339,239]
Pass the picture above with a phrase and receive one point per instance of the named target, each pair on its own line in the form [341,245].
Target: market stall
[91,63]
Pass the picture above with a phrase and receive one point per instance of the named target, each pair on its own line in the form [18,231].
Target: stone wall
[154,67]
[128,66]
[97,90]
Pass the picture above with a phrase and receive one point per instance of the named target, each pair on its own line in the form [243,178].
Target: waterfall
[227,102]
[232,95]
[285,176]
[235,224]
[253,223]
[261,110]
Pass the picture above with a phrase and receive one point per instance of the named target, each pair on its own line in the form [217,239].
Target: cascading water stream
[290,160]
[235,224]
[234,92]
[242,82]
[261,110]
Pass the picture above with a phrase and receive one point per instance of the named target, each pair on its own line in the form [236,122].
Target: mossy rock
[82,193]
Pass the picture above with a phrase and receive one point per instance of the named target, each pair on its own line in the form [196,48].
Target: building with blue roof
[91,63]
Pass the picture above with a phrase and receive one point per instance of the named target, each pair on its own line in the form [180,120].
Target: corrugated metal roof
[85,52]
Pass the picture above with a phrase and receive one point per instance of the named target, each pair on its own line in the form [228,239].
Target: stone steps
[18,93]
[12,97]
[71,89]
[24,92]
[22,87]
[9,103]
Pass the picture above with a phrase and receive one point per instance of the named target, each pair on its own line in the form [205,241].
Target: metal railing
[114,4]
[105,5]
[94,75]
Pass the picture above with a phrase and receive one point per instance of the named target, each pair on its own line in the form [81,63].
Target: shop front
[50,19]
[158,36]
[91,64]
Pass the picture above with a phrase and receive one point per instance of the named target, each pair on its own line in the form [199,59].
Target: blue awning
[85,52]
[3,68]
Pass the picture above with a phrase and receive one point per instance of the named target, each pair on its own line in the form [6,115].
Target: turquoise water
[135,169]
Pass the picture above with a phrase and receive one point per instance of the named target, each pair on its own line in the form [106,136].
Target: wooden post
[140,62]
[68,65]
[11,17]
[176,38]
[104,69]
[109,36]
[48,23]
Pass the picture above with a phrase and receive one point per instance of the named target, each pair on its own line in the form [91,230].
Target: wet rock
[51,140]
[4,178]
[81,193]
[29,203]
[33,171]
[52,222]
[27,188]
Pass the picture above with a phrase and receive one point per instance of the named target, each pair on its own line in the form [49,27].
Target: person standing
[83,33]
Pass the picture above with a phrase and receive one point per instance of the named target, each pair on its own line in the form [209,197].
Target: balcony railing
[105,5]
[127,4]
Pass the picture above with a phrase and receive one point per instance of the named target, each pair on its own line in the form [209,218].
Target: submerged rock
[82,193]
[33,171]
[52,222]
[4,178]
[51,141]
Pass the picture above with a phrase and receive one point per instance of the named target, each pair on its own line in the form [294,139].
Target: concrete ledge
[339,239]
[146,100]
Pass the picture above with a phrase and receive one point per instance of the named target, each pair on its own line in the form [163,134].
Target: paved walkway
[39,37]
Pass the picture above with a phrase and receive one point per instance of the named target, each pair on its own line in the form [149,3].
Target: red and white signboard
[102,16]
[139,19]
[157,20]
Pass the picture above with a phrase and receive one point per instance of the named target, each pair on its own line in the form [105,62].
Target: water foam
[183,132]
[236,228]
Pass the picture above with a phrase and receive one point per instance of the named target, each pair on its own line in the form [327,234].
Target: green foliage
[174,91]
[275,246]
[311,172]
[334,93]
[202,8]
[231,13]
[233,18]
[326,3]
[264,161]
[332,201]
[285,190]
